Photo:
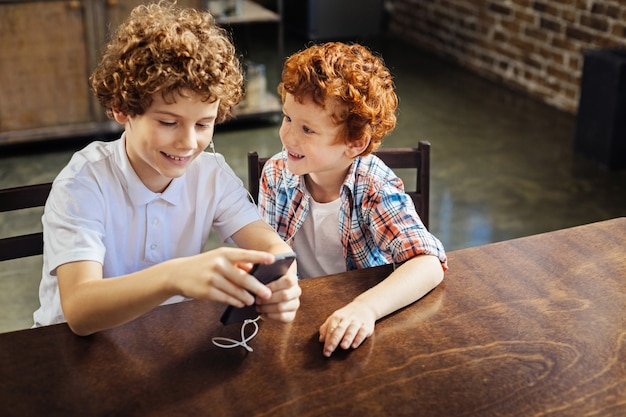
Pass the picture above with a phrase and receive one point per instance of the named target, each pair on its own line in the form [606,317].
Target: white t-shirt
[99,210]
[318,242]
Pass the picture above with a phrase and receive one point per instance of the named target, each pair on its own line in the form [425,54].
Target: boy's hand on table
[347,327]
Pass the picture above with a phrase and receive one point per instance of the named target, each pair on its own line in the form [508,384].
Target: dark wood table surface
[528,327]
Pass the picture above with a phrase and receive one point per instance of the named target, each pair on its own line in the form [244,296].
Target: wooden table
[527,327]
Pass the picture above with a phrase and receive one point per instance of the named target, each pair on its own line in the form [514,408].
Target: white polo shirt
[99,210]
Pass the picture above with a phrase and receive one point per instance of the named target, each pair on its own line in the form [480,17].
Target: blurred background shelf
[44,87]
[271,109]
[242,18]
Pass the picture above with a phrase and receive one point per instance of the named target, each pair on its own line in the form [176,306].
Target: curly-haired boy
[126,221]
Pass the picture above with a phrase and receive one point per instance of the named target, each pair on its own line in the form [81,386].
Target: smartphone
[265,273]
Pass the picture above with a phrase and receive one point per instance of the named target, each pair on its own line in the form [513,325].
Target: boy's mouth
[175,158]
[295,155]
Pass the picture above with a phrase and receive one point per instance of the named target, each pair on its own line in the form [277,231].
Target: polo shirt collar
[138,193]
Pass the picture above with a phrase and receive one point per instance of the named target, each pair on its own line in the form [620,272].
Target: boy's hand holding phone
[265,273]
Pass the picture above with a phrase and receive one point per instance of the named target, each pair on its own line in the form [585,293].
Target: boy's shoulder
[91,155]
[370,175]
[98,150]
[373,168]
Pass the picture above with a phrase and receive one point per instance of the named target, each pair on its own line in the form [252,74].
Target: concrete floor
[502,165]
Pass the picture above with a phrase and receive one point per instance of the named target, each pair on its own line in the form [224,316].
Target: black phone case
[265,273]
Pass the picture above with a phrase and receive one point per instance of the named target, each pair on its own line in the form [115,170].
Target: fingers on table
[344,334]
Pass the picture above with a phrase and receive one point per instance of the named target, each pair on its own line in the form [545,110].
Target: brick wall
[534,46]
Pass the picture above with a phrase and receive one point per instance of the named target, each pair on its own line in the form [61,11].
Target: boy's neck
[324,190]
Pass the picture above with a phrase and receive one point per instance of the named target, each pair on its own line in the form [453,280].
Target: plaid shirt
[378,223]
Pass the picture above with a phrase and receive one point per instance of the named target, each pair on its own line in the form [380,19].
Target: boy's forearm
[279,246]
[260,236]
[407,284]
[100,304]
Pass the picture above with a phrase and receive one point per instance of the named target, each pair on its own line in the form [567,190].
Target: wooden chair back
[395,158]
[19,198]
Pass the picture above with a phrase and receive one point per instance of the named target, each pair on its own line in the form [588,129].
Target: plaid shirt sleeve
[384,222]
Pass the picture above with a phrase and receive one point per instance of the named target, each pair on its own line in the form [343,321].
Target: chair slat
[19,198]
[21,246]
[26,196]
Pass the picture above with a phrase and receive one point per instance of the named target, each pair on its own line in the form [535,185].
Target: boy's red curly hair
[354,77]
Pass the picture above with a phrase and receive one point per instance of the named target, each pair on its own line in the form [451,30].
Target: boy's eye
[287,118]
[306,129]
[204,125]
[166,123]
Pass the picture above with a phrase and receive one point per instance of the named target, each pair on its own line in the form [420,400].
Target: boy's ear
[120,116]
[355,148]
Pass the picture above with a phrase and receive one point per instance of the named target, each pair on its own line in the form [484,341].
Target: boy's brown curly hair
[164,49]
[354,77]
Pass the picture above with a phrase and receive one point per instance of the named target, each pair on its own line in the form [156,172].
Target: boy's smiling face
[162,142]
[310,138]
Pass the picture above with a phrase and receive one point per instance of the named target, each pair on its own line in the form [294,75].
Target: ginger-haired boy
[339,206]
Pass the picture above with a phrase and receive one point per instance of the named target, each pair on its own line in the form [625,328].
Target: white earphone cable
[228,343]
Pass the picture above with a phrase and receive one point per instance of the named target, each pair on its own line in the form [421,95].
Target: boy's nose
[187,138]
